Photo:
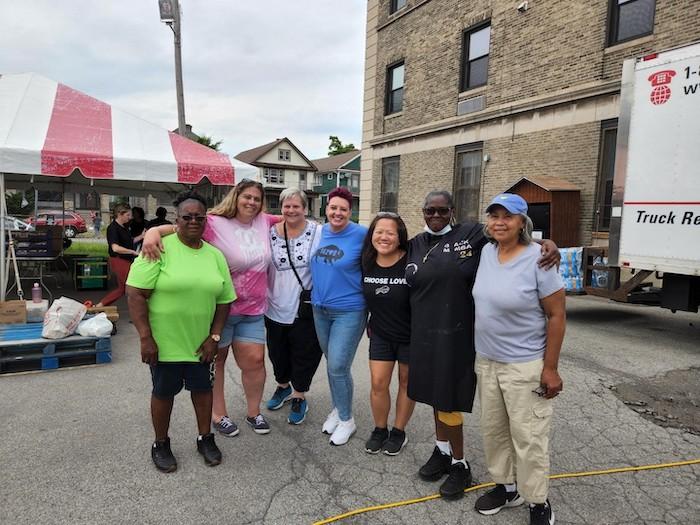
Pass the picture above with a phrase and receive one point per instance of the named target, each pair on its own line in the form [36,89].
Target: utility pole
[170,15]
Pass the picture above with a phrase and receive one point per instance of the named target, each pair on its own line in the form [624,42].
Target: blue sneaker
[298,412]
[279,398]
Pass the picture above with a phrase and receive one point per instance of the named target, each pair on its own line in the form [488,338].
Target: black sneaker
[397,440]
[163,457]
[436,467]
[207,448]
[378,437]
[541,514]
[497,499]
[459,478]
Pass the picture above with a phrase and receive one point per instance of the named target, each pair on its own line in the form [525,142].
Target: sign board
[660,228]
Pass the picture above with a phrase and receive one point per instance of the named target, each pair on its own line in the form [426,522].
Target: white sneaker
[343,431]
[331,422]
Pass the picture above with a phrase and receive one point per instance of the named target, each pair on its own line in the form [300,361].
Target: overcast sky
[254,70]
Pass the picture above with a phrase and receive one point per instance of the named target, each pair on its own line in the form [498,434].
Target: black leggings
[294,352]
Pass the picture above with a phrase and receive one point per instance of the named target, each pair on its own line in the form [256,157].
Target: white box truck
[655,220]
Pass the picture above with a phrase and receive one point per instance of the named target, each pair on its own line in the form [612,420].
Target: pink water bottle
[36,293]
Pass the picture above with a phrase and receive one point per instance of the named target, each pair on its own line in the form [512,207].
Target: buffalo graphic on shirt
[329,254]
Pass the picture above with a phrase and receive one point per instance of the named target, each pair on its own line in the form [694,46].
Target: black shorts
[169,378]
[382,350]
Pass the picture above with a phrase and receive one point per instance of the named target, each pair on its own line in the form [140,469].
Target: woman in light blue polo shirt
[519,325]
[339,307]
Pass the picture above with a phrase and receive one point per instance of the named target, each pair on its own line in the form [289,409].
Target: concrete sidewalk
[74,443]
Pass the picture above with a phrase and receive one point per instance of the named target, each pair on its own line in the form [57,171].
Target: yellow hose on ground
[486,485]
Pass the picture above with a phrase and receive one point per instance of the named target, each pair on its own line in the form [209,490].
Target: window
[396,5]
[302,180]
[87,201]
[606,172]
[273,175]
[394,91]
[467,184]
[475,57]
[318,179]
[355,182]
[630,19]
[284,154]
[272,202]
[389,196]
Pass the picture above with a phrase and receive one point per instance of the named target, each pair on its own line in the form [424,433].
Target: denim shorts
[243,328]
[169,378]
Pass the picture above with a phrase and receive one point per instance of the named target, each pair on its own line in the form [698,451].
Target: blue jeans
[339,332]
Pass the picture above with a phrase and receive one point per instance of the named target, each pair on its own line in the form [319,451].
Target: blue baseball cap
[510,201]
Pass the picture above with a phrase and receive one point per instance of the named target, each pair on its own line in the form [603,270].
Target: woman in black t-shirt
[120,245]
[386,294]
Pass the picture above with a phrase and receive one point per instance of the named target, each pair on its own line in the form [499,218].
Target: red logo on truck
[661,92]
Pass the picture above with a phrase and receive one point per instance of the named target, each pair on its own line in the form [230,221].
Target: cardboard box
[13,312]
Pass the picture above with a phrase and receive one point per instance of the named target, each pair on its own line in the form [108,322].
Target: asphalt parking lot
[74,443]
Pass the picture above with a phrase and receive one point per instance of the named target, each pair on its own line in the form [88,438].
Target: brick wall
[569,153]
[555,45]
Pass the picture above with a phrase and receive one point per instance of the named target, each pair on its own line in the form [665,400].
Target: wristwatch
[215,337]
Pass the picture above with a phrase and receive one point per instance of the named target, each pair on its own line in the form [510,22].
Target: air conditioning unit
[471,105]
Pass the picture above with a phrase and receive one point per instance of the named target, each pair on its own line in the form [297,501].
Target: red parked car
[72,221]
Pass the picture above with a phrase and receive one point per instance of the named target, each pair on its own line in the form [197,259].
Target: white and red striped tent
[47,128]
[54,137]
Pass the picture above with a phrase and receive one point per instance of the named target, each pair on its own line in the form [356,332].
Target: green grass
[89,249]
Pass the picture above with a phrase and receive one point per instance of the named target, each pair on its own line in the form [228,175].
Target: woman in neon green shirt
[179,306]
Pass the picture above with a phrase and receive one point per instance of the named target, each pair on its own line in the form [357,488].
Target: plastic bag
[62,318]
[98,326]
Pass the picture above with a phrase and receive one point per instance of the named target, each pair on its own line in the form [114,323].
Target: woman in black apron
[441,268]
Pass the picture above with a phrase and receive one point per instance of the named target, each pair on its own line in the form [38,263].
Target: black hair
[161,212]
[369,252]
[189,196]
[138,213]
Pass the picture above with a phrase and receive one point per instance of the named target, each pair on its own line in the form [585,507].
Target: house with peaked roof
[281,165]
[334,171]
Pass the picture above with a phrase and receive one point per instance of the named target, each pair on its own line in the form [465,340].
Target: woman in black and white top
[387,297]
[291,337]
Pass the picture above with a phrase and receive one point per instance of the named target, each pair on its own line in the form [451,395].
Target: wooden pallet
[23,349]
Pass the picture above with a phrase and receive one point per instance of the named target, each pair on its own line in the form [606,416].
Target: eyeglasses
[196,218]
[442,212]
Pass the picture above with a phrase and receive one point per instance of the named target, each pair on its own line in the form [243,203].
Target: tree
[208,141]
[336,147]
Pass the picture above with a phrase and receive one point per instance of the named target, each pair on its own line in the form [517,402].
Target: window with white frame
[302,180]
[355,182]
[284,154]
[273,175]
[318,179]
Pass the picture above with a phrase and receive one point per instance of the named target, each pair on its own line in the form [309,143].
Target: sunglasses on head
[442,211]
[196,218]
[389,214]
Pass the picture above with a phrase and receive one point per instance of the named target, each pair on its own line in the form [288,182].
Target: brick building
[473,95]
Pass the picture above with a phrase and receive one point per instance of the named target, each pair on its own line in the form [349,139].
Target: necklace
[425,258]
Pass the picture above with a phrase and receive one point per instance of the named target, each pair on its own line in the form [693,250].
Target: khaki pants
[515,425]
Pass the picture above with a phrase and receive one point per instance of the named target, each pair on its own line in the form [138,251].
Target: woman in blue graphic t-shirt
[339,307]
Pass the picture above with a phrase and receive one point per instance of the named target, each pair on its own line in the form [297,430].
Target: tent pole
[3,206]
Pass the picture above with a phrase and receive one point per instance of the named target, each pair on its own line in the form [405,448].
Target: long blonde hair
[228,207]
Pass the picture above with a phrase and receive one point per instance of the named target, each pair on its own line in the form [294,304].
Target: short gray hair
[294,192]
[446,194]
[525,236]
